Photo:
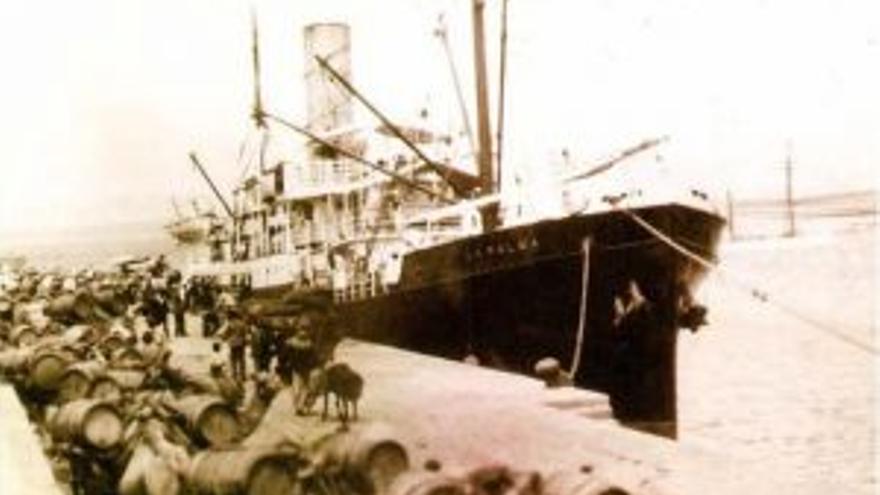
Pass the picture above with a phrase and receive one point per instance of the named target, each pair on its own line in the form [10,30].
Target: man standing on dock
[235,333]
[300,351]
[634,316]
[177,305]
[262,343]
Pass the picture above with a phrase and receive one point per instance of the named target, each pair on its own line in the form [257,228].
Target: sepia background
[100,102]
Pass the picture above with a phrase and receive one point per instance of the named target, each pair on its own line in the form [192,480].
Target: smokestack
[328,106]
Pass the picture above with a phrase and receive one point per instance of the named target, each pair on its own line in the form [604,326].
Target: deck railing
[365,288]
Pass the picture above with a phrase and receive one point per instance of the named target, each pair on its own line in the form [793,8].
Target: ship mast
[484,131]
[258,114]
[502,74]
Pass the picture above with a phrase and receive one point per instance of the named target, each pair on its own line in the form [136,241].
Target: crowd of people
[119,327]
[148,308]
[123,324]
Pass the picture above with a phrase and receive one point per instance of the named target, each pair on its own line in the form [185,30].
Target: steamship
[413,251]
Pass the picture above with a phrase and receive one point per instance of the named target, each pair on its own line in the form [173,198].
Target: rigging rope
[758,294]
[582,318]
[249,158]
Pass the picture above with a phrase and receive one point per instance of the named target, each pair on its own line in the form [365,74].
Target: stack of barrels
[115,423]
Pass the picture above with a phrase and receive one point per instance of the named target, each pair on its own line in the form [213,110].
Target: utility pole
[730,215]
[789,201]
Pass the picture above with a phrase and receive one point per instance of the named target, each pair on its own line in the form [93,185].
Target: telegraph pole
[789,201]
[730,215]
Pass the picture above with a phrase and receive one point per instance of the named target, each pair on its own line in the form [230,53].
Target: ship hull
[513,297]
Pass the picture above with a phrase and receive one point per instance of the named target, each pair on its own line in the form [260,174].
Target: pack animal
[340,380]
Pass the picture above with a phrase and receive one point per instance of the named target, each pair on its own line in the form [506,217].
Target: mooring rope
[758,294]
[582,318]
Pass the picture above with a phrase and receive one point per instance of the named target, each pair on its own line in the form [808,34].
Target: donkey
[343,382]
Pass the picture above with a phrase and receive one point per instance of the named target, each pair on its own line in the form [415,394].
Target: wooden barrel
[370,457]
[33,315]
[109,302]
[112,383]
[62,307]
[105,387]
[78,379]
[112,342]
[72,308]
[19,314]
[126,357]
[426,483]
[575,483]
[77,333]
[208,418]
[23,335]
[194,383]
[252,471]
[12,360]
[45,369]
[88,422]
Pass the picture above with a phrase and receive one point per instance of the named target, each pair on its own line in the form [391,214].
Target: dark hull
[515,296]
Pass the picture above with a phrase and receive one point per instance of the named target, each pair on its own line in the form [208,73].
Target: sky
[101,100]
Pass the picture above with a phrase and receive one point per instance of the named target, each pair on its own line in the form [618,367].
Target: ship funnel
[329,107]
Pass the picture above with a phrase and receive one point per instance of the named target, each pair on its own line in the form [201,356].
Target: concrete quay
[24,468]
[458,414]
[465,416]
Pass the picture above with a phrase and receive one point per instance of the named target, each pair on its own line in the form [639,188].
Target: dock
[466,416]
[24,468]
